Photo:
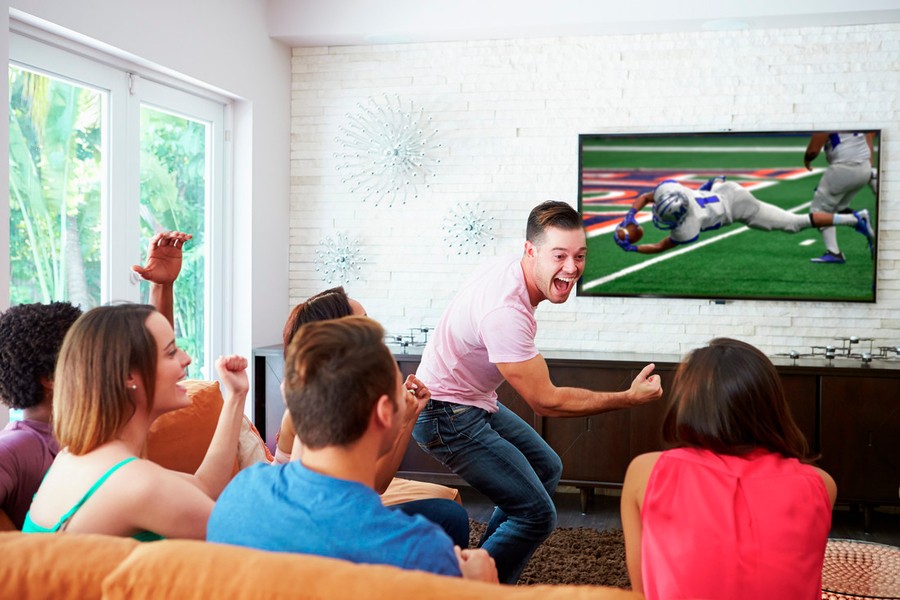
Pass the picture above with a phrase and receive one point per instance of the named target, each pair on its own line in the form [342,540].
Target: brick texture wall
[509,113]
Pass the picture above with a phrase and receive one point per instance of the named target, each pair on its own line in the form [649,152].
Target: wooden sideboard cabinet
[850,414]
[860,436]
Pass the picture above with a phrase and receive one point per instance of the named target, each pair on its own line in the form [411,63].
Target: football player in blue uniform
[685,213]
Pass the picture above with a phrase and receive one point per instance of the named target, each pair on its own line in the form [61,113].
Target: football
[635,232]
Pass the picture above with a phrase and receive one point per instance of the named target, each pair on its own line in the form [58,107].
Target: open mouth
[562,285]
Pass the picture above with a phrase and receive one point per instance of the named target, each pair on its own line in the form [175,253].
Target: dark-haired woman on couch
[734,510]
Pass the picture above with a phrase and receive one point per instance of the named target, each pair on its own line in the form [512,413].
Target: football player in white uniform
[685,213]
[850,168]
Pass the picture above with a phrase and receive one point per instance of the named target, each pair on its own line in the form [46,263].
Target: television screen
[730,215]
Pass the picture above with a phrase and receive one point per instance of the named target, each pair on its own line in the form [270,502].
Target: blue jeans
[505,459]
[446,514]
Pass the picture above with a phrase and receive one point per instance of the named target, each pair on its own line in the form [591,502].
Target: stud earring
[133,386]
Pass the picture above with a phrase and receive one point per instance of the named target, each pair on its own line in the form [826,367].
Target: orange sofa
[83,566]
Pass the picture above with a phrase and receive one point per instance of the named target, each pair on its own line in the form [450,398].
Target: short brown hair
[728,398]
[330,304]
[551,214]
[334,374]
[91,401]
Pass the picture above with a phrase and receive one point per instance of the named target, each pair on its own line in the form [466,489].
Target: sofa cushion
[406,490]
[251,448]
[178,440]
[46,565]
[187,569]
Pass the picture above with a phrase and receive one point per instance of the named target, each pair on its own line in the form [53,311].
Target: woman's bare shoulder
[644,463]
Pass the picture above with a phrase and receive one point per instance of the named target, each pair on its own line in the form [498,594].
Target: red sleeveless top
[716,526]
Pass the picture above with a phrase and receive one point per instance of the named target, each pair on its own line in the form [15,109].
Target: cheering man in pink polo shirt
[486,336]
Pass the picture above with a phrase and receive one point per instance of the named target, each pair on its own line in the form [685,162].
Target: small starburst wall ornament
[467,228]
[338,259]
[387,151]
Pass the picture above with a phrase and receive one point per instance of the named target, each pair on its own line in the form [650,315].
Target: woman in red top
[734,511]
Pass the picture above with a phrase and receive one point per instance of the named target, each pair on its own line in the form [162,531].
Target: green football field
[731,262]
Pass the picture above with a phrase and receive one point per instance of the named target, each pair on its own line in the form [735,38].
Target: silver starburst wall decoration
[338,259]
[387,151]
[467,228]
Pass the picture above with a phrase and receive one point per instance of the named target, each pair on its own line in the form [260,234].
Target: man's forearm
[531,379]
[580,402]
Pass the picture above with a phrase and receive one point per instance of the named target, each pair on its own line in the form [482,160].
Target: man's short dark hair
[334,373]
[551,213]
[30,338]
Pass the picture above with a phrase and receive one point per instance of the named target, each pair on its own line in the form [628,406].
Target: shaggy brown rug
[575,555]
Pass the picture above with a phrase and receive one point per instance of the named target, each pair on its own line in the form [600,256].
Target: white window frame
[131,85]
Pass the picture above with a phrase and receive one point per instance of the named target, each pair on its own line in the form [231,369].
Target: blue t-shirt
[289,508]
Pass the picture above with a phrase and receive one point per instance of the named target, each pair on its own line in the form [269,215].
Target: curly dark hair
[30,338]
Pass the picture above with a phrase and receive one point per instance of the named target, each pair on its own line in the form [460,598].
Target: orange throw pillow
[179,440]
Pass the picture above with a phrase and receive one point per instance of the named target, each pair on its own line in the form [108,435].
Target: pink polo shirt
[490,321]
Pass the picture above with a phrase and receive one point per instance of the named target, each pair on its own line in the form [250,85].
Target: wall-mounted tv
[713,210]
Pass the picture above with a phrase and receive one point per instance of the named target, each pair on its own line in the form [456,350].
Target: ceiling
[355,22]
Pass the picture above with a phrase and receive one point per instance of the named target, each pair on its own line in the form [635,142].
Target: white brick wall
[509,113]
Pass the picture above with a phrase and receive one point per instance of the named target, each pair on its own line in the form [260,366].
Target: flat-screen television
[745,252]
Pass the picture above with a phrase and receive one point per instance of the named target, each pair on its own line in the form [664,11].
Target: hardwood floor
[847,522]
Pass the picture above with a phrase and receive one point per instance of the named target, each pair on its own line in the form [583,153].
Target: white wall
[223,44]
[509,114]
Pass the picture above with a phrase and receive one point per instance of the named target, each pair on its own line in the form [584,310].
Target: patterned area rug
[579,555]
[574,555]
[855,569]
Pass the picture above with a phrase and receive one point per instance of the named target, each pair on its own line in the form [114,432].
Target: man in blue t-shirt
[347,399]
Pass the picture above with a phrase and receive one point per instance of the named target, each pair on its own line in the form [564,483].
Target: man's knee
[544,522]
[553,473]
[558,466]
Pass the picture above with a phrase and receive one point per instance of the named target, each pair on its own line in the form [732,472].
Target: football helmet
[670,209]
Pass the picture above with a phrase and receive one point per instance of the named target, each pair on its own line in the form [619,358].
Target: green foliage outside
[55,171]
[173,197]
[55,189]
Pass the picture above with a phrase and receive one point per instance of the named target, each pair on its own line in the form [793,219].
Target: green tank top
[30,526]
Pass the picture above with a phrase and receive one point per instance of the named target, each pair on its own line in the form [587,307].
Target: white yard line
[669,253]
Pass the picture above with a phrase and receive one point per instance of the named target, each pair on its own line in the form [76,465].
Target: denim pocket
[426,433]
[459,410]
[465,421]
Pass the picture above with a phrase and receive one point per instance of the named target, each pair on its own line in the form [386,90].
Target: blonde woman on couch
[30,338]
[118,370]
